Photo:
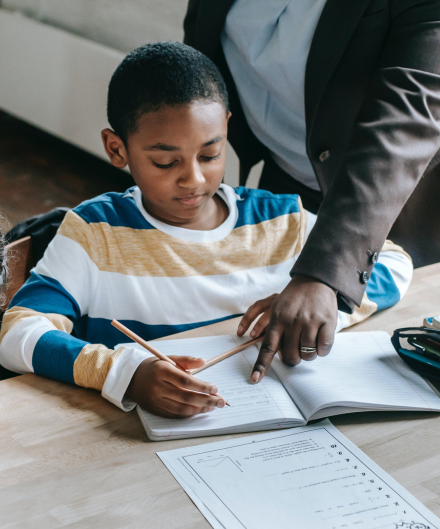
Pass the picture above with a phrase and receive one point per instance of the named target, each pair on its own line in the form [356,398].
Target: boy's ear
[115,148]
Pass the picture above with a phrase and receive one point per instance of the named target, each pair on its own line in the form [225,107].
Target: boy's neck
[214,213]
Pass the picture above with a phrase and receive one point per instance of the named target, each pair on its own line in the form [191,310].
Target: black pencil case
[416,346]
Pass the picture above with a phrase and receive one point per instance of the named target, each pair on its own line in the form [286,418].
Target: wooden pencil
[152,349]
[227,354]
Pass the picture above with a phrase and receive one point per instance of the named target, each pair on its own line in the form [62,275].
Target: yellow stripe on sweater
[361,313]
[92,365]
[156,254]
[389,246]
[16,314]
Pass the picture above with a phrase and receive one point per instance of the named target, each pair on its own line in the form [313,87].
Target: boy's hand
[164,390]
[262,306]
[304,314]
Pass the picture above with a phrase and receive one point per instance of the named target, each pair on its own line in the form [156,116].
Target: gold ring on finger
[308,350]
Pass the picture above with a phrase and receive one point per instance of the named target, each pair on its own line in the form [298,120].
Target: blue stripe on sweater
[55,354]
[258,206]
[381,287]
[115,209]
[45,294]
[99,330]
[120,209]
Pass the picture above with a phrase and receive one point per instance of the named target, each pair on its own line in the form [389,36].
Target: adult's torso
[345,52]
[266,45]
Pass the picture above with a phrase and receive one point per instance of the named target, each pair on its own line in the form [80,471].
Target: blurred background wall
[119,24]
[57,56]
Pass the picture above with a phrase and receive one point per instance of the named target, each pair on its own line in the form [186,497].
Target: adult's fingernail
[220,404]
[255,377]
[214,390]
[240,329]
[211,408]
[253,333]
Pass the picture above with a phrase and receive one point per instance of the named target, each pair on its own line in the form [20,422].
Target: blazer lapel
[336,26]
[210,21]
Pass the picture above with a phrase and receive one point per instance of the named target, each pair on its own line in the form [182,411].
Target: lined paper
[363,371]
[252,407]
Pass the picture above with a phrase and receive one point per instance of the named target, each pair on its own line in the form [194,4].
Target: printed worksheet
[306,477]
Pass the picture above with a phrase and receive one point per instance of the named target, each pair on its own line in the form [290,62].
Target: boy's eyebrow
[161,147]
[214,140]
[170,148]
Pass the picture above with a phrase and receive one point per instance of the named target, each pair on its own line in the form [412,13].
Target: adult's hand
[304,314]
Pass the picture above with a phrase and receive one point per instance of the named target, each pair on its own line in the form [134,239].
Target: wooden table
[68,458]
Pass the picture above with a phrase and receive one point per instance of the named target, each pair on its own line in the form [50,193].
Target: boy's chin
[182,214]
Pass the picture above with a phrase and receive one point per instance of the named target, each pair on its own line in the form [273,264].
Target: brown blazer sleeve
[395,135]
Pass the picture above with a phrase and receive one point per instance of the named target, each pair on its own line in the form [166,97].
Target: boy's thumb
[188,362]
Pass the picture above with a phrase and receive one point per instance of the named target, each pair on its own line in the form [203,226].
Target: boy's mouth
[191,200]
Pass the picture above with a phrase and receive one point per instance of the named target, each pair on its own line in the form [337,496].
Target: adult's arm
[396,134]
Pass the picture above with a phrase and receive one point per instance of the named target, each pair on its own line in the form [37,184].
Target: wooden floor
[39,172]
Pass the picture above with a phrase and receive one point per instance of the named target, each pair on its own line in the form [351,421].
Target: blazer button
[364,277]
[374,258]
[324,156]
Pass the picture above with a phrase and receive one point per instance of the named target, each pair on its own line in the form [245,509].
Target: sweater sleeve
[40,329]
[389,281]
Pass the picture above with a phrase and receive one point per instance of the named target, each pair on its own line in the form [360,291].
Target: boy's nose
[193,176]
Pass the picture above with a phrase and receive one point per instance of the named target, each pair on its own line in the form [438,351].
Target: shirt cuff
[120,375]
[345,304]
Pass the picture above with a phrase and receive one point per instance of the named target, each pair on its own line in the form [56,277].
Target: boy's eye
[209,158]
[166,166]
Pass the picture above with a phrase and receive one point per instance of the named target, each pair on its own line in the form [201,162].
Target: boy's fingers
[326,337]
[199,400]
[182,380]
[177,410]
[268,349]
[188,362]
[261,325]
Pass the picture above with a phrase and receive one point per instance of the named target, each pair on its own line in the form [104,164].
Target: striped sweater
[111,259]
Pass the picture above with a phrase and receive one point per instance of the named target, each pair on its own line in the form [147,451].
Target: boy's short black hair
[158,75]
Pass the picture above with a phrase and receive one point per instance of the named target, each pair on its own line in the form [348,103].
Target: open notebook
[362,372]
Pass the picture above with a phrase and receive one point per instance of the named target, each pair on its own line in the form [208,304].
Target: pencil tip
[227,404]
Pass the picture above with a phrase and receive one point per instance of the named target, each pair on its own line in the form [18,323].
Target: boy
[177,251]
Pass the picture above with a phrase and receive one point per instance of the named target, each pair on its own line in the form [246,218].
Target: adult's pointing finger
[268,349]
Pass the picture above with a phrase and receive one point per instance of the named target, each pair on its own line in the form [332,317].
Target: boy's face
[177,158]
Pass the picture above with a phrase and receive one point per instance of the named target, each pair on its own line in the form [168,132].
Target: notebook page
[249,404]
[362,370]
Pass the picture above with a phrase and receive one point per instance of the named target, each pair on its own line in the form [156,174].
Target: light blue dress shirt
[266,44]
